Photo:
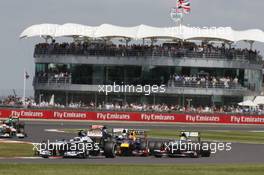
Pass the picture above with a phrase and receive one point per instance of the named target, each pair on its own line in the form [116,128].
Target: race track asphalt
[240,153]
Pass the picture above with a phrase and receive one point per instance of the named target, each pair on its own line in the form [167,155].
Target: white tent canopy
[107,30]
[248,103]
[74,30]
[40,30]
[249,35]
[259,100]
[142,31]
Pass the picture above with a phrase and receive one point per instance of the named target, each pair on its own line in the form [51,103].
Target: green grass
[224,136]
[236,136]
[81,169]
[16,150]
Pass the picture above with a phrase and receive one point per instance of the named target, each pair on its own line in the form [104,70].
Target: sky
[16,15]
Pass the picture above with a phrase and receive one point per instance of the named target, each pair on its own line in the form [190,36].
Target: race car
[99,134]
[189,145]
[131,142]
[86,145]
[48,149]
[12,127]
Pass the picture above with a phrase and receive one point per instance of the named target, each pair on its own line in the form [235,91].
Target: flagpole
[24,88]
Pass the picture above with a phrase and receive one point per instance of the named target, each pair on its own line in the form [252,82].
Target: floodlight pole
[24,88]
[180,22]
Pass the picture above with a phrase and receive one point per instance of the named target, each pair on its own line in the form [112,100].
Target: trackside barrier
[132,116]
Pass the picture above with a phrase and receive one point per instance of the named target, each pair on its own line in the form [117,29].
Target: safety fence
[132,116]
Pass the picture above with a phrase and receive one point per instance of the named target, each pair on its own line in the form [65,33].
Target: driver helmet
[104,129]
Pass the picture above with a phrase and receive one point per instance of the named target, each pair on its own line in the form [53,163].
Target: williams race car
[92,143]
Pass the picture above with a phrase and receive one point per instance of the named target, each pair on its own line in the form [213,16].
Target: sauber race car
[131,142]
[12,127]
[92,143]
[189,145]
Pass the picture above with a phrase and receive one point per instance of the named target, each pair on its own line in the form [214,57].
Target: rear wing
[95,133]
[119,130]
[96,127]
[191,134]
[139,132]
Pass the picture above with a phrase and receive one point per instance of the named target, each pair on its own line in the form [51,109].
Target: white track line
[14,141]
[54,130]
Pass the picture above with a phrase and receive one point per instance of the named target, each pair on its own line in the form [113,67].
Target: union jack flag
[184,6]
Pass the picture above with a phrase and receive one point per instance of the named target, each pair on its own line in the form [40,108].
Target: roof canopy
[259,100]
[247,103]
[142,32]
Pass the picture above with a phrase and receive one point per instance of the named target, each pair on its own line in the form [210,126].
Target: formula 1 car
[12,127]
[84,146]
[131,142]
[107,144]
[48,149]
[189,145]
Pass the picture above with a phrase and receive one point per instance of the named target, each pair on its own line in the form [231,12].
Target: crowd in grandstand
[170,49]
[53,76]
[11,100]
[30,103]
[204,81]
[178,108]
[201,81]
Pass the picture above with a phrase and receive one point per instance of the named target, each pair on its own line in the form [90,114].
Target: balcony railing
[181,53]
[207,85]
[170,84]
[52,80]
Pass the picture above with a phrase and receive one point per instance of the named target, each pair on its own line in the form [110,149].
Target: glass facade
[145,75]
[184,100]
[84,74]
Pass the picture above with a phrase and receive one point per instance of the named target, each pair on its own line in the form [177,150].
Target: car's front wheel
[110,150]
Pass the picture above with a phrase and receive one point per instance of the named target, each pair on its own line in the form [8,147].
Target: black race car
[189,145]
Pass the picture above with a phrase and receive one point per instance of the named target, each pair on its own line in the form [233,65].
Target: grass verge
[16,150]
[81,169]
[224,136]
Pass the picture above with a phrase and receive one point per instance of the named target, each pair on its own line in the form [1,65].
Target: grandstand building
[197,66]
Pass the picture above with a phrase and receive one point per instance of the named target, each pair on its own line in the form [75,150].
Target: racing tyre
[143,146]
[196,154]
[157,155]
[158,145]
[45,157]
[13,134]
[206,153]
[151,147]
[110,150]
[94,153]
[83,155]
